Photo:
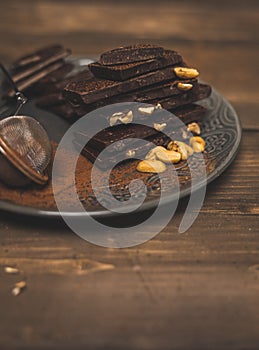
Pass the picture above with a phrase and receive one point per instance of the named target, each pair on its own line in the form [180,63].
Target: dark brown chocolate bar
[57,76]
[36,57]
[134,150]
[140,152]
[117,137]
[34,68]
[129,70]
[87,92]
[157,91]
[52,86]
[53,99]
[160,91]
[24,84]
[200,92]
[133,53]
[65,109]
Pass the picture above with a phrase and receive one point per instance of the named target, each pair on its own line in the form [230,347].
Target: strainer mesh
[28,139]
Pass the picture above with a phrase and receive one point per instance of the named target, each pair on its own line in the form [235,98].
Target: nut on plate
[180,147]
[124,117]
[186,73]
[194,128]
[146,110]
[197,143]
[159,126]
[167,156]
[151,166]
[130,153]
[152,153]
[163,154]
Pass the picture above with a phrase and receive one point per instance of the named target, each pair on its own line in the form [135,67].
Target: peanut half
[184,86]
[180,147]
[146,110]
[167,156]
[124,117]
[194,128]
[151,166]
[159,127]
[186,73]
[163,154]
[197,143]
[152,153]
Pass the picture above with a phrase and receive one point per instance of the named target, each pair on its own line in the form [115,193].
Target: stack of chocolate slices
[155,80]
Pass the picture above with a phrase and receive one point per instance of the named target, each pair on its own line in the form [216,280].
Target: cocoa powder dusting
[42,197]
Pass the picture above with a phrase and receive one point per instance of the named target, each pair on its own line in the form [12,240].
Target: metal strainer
[25,149]
[25,143]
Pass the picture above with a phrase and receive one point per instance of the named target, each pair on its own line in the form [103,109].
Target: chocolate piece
[54,102]
[129,70]
[65,111]
[122,133]
[160,91]
[53,86]
[53,99]
[57,76]
[98,89]
[29,81]
[119,134]
[133,53]
[50,83]
[201,92]
[36,57]
[159,139]
[157,91]
[32,69]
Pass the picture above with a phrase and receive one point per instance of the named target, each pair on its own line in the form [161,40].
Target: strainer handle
[21,99]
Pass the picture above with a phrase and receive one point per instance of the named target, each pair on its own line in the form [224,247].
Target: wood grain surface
[197,290]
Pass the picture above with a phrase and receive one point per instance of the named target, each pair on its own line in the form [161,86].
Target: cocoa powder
[120,178]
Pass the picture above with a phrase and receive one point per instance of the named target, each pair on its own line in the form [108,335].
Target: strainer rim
[13,157]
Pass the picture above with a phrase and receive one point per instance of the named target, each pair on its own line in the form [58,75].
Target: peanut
[186,73]
[151,166]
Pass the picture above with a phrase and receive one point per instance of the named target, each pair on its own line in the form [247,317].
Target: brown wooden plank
[158,295]
[179,19]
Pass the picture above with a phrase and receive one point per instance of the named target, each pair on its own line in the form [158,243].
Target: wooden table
[198,290]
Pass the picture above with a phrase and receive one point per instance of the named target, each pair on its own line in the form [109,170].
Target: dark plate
[221,130]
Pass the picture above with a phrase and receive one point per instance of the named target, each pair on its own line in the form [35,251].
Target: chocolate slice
[58,104]
[198,93]
[157,91]
[160,91]
[52,85]
[118,137]
[130,152]
[32,79]
[57,76]
[133,53]
[87,92]
[35,57]
[129,70]
[32,69]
